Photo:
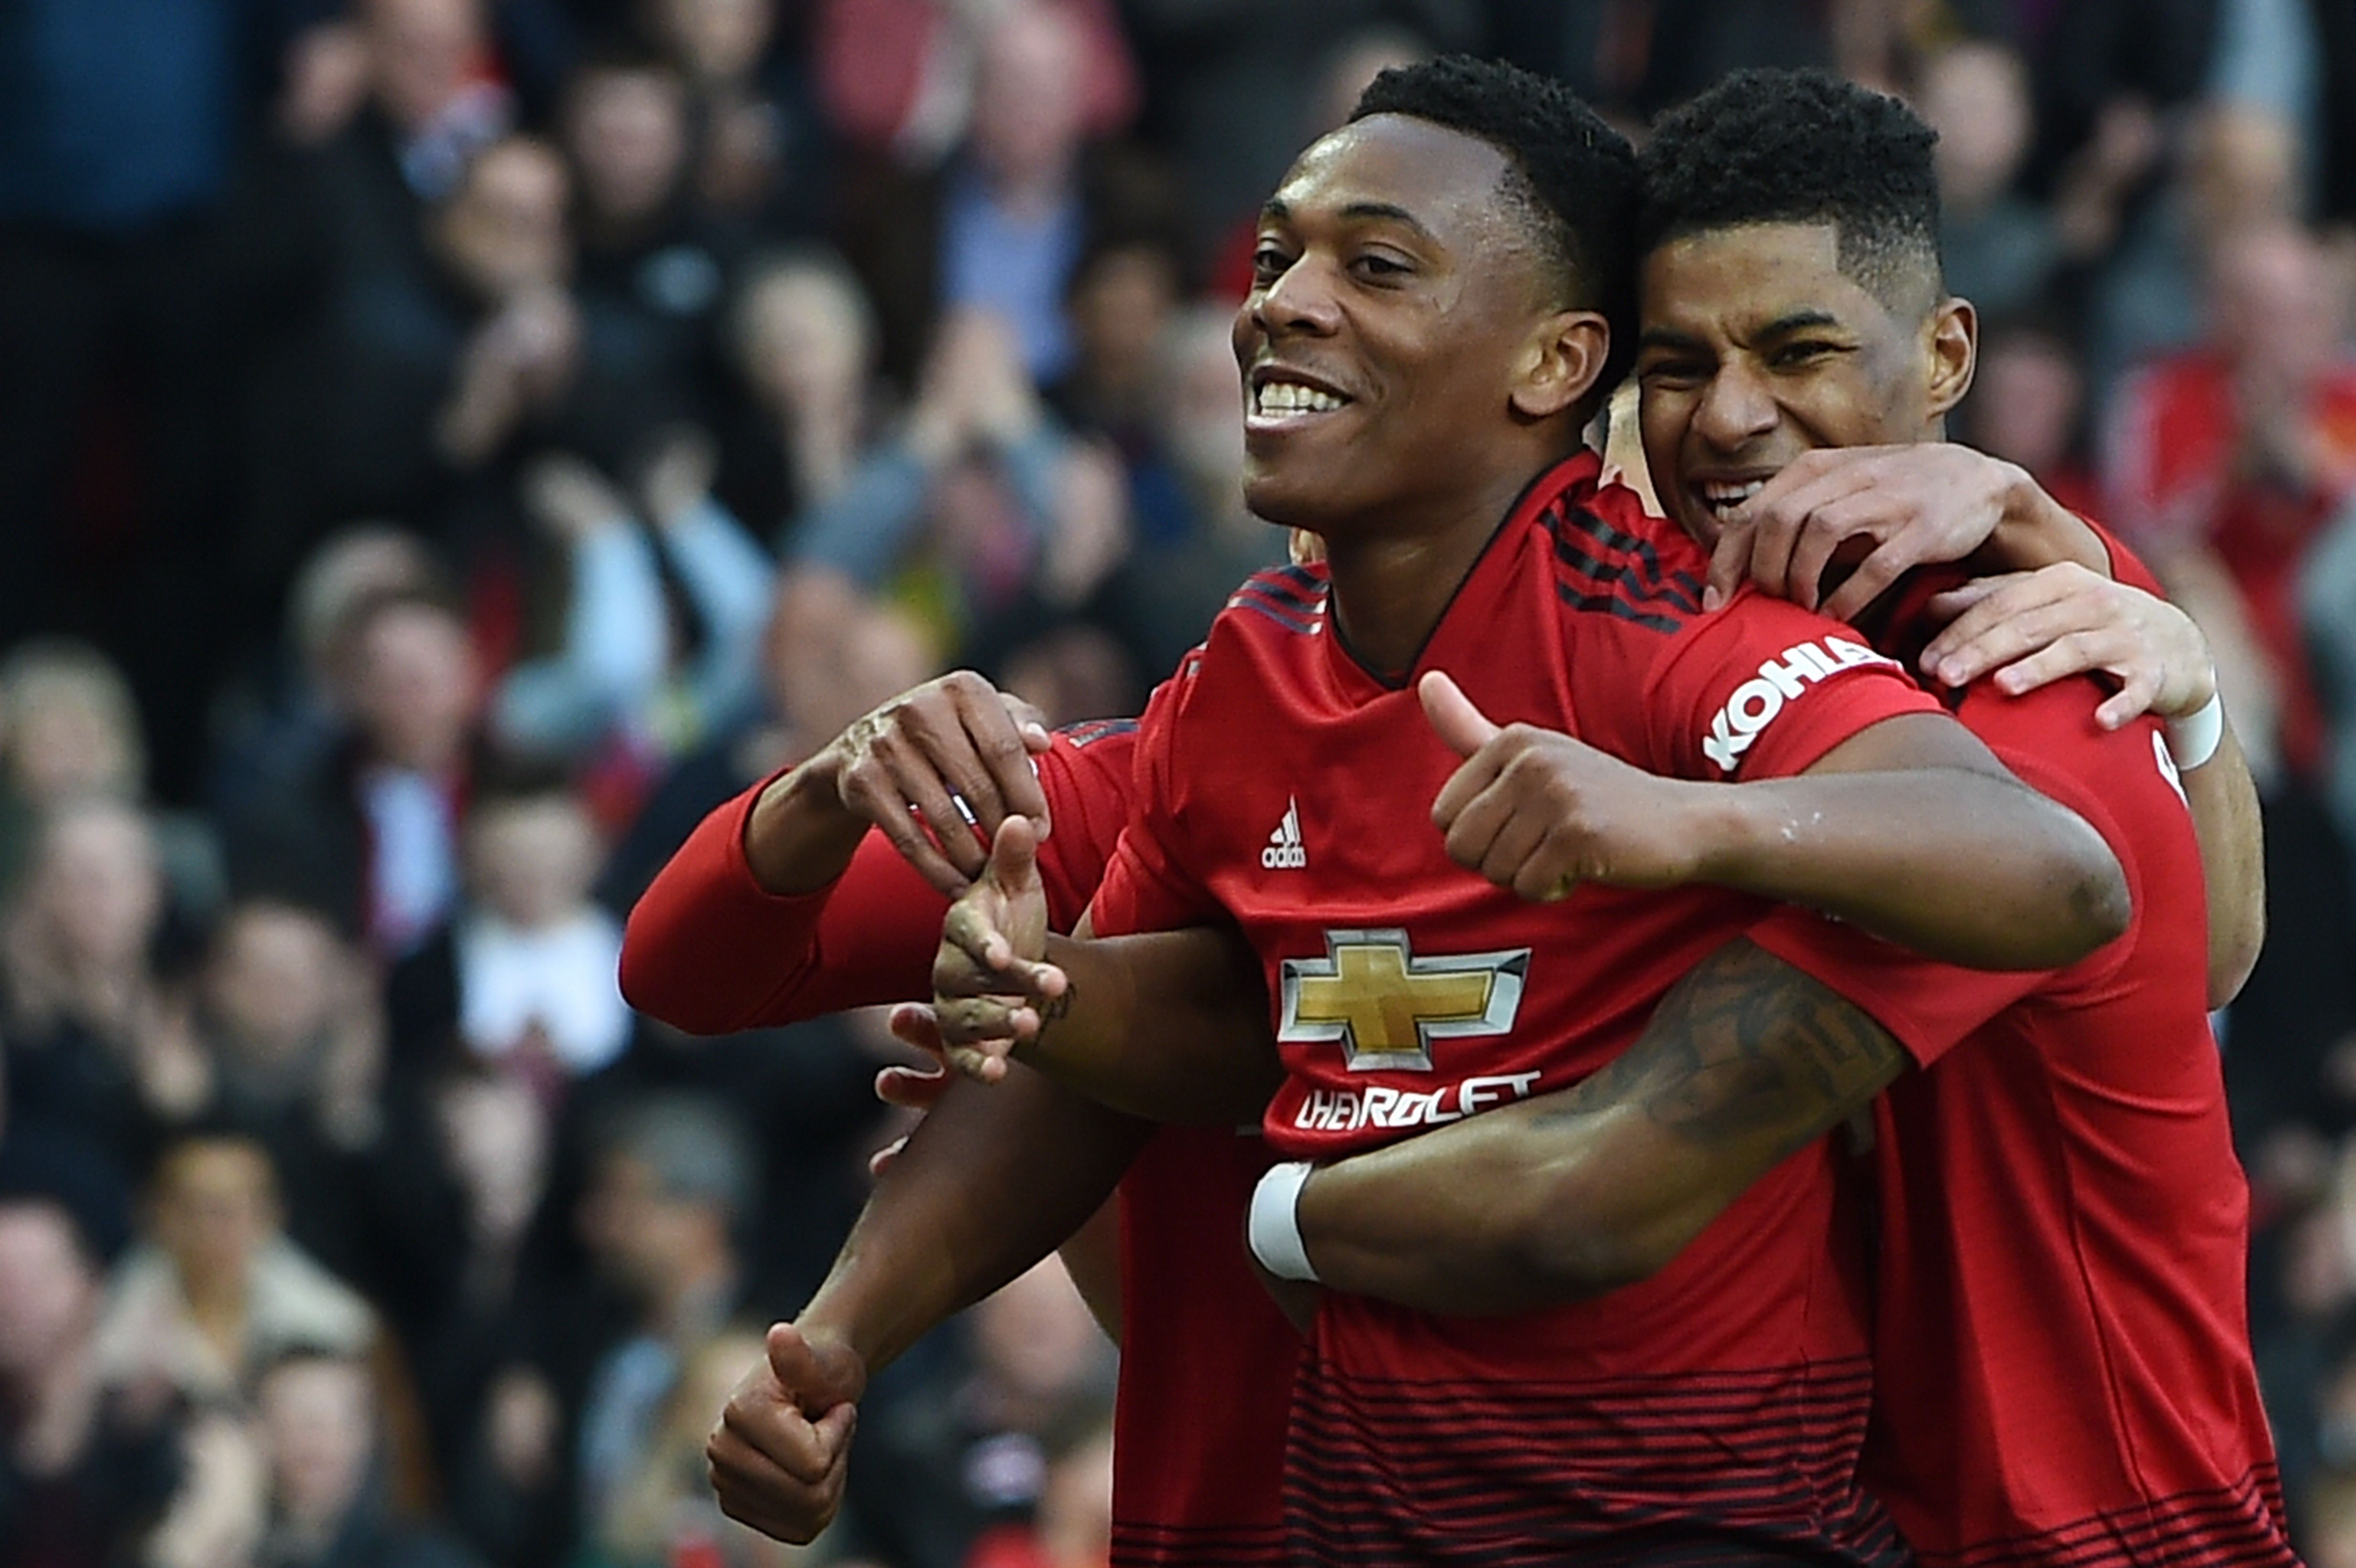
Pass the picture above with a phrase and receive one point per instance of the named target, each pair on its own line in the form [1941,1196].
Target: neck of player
[1392,584]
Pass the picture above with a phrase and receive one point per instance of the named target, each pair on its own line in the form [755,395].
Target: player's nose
[1300,300]
[1735,407]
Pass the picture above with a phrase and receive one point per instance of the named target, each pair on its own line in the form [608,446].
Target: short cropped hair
[1801,146]
[1570,177]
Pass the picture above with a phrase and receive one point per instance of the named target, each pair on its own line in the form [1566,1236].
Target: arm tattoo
[1746,1045]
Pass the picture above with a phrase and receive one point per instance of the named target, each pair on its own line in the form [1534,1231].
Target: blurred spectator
[761,154]
[1123,293]
[671,1190]
[76,737]
[380,116]
[828,656]
[365,826]
[85,1475]
[1072,1525]
[213,1291]
[2236,172]
[524,976]
[975,473]
[1135,573]
[97,1040]
[1999,249]
[650,258]
[319,1433]
[662,627]
[941,1472]
[903,75]
[1000,223]
[293,1034]
[1225,79]
[69,727]
[295,700]
[2224,462]
[437,98]
[803,339]
[1163,597]
[442,371]
[2028,404]
[2106,71]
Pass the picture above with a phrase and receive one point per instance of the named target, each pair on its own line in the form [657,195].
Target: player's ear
[1561,363]
[1955,337]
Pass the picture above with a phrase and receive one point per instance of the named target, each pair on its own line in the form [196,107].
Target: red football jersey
[2062,1363]
[1199,1421]
[1717,1406]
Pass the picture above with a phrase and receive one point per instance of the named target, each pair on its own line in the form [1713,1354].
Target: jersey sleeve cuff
[1928,1008]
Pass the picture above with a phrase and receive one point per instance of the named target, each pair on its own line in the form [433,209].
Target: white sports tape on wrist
[1274,1229]
[2193,741]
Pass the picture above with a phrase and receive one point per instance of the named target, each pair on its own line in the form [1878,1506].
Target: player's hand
[1932,501]
[781,1451]
[913,1089]
[992,992]
[2034,628]
[1539,812]
[905,767]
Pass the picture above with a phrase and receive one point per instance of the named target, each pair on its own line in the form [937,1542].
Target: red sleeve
[2049,738]
[1148,886]
[709,950]
[1763,689]
[1929,1007]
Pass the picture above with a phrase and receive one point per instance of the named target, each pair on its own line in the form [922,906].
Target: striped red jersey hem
[2236,1526]
[1749,1466]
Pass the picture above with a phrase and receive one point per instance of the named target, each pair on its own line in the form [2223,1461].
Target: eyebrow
[1798,321]
[1275,209]
[1663,337]
[1781,326]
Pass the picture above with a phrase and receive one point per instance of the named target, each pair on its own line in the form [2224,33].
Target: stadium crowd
[447,446]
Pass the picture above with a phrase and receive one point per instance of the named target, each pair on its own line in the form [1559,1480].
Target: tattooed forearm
[1744,1045]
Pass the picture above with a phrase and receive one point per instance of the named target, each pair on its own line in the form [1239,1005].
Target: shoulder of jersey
[1291,598]
[1611,558]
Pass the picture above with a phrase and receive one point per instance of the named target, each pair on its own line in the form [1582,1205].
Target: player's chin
[1291,491]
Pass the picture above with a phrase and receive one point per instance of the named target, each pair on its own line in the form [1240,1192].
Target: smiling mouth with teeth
[1293,398]
[1723,498]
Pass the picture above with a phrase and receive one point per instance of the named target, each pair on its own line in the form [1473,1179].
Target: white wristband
[1274,1229]
[2193,741]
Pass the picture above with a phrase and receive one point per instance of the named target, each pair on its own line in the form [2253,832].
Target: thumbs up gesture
[780,1454]
[1539,812]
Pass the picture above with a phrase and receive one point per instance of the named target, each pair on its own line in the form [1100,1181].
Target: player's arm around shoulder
[1600,1185]
[1914,831]
[1783,757]
[2021,631]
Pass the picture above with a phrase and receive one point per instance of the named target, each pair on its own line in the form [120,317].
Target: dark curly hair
[1801,146]
[1571,179]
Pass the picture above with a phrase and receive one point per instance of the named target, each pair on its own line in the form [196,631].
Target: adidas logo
[1284,852]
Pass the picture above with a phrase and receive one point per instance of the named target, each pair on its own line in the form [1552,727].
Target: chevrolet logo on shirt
[1386,1006]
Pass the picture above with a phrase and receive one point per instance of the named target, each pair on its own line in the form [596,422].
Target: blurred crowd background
[448,445]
